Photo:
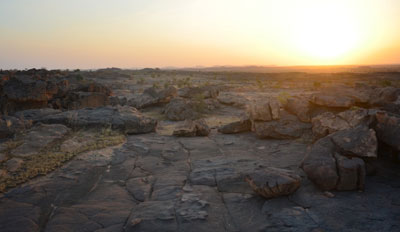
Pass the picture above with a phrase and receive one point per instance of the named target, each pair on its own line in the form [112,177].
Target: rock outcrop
[152,96]
[192,128]
[236,127]
[180,109]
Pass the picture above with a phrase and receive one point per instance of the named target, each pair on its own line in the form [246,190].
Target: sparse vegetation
[283,97]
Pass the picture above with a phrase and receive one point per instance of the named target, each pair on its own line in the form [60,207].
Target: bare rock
[192,128]
[320,165]
[180,109]
[273,182]
[39,137]
[12,125]
[152,96]
[236,127]
[264,110]
[332,100]
[80,100]
[232,99]
[299,107]
[360,142]
[384,96]
[388,129]
[36,114]
[204,91]
[351,173]
[14,164]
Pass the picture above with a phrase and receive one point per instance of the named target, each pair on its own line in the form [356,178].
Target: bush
[317,84]
[199,104]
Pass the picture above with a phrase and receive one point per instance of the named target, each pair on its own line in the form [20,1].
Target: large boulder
[384,96]
[180,109]
[287,127]
[335,161]
[332,100]
[299,107]
[232,99]
[236,127]
[388,132]
[124,118]
[328,122]
[264,109]
[360,142]
[273,182]
[152,96]
[192,128]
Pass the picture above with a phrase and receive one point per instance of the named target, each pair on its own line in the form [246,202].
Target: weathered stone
[273,182]
[236,127]
[331,100]
[140,187]
[320,165]
[117,100]
[384,96]
[180,109]
[123,118]
[36,114]
[264,110]
[233,99]
[281,129]
[388,129]
[351,173]
[327,123]
[39,137]
[192,128]
[299,107]
[360,141]
[152,96]
[205,92]
[80,100]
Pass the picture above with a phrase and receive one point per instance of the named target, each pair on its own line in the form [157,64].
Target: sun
[326,34]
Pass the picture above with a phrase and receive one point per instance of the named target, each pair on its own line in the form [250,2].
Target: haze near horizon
[156,33]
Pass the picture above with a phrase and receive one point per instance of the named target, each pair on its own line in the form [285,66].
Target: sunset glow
[155,33]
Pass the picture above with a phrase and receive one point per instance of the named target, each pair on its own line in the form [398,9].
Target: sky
[181,33]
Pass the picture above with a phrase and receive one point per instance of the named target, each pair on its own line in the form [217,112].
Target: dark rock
[180,109]
[388,129]
[236,127]
[80,100]
[384,96]
[39,137]
[360,142]
[192,128]
[232,99]
[36,114]
[351,173]
[320,165]
[273,182]
[14,164]
[117,100]
[123,118]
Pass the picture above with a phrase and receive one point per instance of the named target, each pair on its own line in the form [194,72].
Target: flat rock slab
[39,137]
[148,184]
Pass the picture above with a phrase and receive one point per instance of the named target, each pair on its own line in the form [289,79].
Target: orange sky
[181,33]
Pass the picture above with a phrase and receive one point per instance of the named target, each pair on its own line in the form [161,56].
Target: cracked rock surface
[164,183]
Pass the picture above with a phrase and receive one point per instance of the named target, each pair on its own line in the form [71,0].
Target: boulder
[236,127]
[359,141]
[287,127]
[388,129]
[336,165]
[332,100]
[273,182]
[299,107]
[264,110]
[124,118]
[327,123]
[152,96]
[180,109]
[192,128]
[351,173]
[232,99]
[38,138]
[384,96]
[117,100]
[320,165]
